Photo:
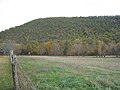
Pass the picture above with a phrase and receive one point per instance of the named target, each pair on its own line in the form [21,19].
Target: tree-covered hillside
[67,33]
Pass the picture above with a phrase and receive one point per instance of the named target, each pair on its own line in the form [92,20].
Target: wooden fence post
[20,79]
[14,73]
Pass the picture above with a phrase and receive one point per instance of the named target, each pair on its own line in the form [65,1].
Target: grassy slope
[5,76]
[73,73]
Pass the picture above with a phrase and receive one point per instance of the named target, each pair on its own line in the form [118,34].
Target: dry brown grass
[104,63]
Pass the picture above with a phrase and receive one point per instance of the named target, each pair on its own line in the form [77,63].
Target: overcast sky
[17,12]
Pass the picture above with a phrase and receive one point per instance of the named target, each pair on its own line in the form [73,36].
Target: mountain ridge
[85,30]
[75,24]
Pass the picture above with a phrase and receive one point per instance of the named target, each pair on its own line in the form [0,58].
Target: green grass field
[5,74]
[72,73]
[65,73]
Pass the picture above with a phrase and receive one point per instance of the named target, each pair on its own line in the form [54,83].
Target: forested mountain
[77,33]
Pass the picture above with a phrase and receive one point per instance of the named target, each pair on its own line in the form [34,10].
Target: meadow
[72,73]
[65,73]
[5,74]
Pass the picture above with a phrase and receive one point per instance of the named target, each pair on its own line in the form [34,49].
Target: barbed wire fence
[20,80]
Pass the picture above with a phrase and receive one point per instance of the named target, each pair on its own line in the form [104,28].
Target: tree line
[64,48]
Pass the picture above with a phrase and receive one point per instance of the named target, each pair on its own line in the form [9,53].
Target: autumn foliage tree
[48,46]
[100,48]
